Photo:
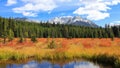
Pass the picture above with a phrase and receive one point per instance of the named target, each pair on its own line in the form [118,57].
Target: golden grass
[92,49]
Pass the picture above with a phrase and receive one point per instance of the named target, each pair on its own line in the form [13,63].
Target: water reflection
[46,64]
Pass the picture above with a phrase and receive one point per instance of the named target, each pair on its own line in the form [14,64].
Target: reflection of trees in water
[3,66]
[53,64]
[10,66]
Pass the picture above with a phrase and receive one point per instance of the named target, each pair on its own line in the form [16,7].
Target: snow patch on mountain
[74,20]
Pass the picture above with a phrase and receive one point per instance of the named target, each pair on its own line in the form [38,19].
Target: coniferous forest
[12,28]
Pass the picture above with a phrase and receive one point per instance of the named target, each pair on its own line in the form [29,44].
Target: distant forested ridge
[10,28]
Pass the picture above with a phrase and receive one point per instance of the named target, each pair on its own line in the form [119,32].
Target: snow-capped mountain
[76,20]
[26,19]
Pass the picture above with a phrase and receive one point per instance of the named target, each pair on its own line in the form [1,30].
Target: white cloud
[11,2]
[92,9]
[91,13]
[31,8]
[31,64]
[115,2]
[95,9]
[86,65]
[64,0]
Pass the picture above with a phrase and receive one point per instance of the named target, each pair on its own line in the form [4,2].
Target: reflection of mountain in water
[46,64]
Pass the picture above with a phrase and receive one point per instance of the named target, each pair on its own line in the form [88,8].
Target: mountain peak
[74,20]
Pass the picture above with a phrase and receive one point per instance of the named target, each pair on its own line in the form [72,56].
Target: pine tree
[10,35]
[4,35]
[111,35]
[33,39]
[21,40]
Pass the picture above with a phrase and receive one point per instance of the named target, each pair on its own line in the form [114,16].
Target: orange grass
[66,48]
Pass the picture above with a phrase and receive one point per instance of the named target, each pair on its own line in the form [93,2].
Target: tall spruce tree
[10,35]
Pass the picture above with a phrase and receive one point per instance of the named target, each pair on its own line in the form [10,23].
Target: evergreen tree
[21,40]
[10,35]
[33,39]
[111,35]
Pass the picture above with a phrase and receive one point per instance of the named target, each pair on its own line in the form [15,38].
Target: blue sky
[99,11]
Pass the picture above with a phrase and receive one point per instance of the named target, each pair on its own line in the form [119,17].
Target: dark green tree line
[11,28]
